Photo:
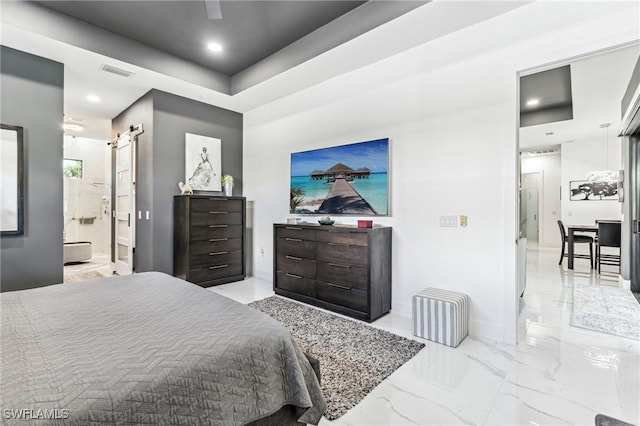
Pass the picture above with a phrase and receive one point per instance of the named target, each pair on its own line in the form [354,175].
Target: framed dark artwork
[11,180]
[584,190]
[348,179]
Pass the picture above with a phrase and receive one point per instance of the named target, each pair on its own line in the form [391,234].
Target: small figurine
[185,188]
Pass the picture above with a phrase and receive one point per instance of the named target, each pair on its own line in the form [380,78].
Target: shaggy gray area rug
[354,357]
[610,310]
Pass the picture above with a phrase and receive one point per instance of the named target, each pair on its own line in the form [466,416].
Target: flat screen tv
[348,179]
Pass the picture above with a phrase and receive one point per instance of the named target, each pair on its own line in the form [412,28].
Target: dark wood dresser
[208,239]
[343,269]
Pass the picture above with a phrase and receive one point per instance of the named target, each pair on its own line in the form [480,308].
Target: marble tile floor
[556,375]
[99,265]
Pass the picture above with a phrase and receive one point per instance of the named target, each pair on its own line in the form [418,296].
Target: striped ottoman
[441,316]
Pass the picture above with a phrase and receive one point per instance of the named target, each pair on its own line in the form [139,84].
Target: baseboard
[486,330]
[624,284]
[263,275]
[402,309]
[481,329]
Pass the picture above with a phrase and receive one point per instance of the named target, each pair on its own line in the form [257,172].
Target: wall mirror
[11,180]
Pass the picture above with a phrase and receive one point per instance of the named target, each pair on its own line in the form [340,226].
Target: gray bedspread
[147,349]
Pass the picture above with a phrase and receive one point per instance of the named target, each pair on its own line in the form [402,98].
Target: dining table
[571,230]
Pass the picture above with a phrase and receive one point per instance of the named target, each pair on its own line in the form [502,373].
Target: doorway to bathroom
[87,208]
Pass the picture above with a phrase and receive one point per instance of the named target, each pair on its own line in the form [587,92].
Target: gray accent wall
[161,164]
[31,96]
[634,83]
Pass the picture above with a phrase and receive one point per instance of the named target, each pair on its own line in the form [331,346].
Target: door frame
[626,125]
[134,131]
[630,132]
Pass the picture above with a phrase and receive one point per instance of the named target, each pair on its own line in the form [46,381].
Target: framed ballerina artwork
[202,162]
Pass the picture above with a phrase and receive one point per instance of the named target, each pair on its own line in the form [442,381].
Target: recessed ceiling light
[215,47]
[93,98]
[533,102]
[72,127]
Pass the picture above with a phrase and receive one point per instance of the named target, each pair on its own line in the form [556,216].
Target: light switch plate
[448,221]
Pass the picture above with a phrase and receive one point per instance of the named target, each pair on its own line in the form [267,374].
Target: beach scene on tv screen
[346,179]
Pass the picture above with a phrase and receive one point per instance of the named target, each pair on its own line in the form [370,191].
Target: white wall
[84,197]
[449,107]
[578,159]
[549,204]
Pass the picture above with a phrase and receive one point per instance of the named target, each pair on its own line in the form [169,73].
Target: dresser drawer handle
[218,212]
[293,229]
[218,199]
[213,240]
[293,257]
[218,226]
[297,240]
[338,244]
[217,253]
[218,266]
[294,276]
[337,265]
[339,286]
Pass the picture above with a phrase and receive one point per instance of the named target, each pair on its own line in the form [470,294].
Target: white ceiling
[598,84]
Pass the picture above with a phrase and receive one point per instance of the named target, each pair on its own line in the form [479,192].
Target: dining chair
[608,236]
[585,239]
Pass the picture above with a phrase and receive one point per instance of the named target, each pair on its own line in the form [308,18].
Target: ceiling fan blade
[213,9]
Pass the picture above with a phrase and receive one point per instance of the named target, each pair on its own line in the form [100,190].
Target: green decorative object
[326,220]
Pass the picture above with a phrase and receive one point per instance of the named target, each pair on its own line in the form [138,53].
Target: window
[72,168]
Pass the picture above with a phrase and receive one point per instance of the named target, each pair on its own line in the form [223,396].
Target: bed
[147,349]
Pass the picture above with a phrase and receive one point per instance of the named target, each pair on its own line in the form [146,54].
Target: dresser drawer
[198,261]
[199,233]
[215,272]
[296,232]
[296,265]
[352,276]
[215,245]
[350,238]
[342,254]
[216,218]
[296,284]
[206,205]
[343,295]
[296,247]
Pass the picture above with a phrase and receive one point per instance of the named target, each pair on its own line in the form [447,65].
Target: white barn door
[125,205]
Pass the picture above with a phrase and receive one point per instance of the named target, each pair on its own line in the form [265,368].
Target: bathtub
[79,251]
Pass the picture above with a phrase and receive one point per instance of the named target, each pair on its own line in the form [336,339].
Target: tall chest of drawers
[343,269]
[209,239]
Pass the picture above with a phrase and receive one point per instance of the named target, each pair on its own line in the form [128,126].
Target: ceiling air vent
[541,151]
[115,70]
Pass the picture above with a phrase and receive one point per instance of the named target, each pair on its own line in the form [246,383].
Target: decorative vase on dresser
[209,239]
[343,269]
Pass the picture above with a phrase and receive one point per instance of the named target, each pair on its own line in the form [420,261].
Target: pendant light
[608,176]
